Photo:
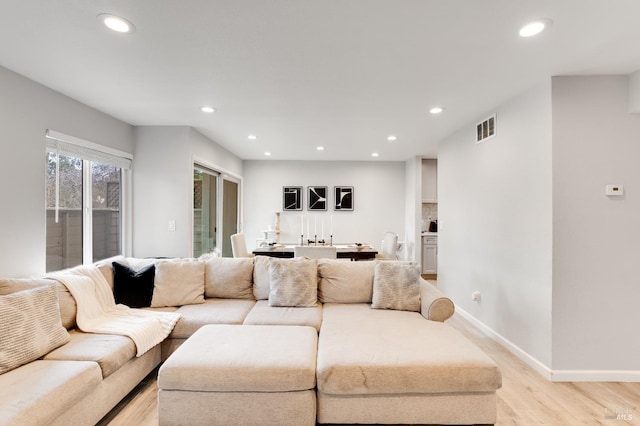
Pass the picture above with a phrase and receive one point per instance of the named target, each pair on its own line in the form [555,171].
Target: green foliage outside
[105,183]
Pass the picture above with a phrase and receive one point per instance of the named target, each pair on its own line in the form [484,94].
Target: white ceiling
[343,74]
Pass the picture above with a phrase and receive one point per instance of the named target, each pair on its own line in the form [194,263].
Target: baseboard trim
[631,376]
[551,375]
[511,347]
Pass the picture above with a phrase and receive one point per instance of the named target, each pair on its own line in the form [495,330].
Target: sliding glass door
[205,195]
[229,215]
[216,207]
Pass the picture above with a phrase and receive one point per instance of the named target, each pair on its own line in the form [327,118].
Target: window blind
[73,147]
[70,146]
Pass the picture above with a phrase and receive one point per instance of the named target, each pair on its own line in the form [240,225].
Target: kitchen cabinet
[429,181]
[430,254]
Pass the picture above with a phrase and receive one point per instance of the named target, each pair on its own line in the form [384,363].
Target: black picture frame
[291,198]
[317,198]
[343,198]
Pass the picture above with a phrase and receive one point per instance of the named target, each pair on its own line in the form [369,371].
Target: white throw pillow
[229,278]
[294,282]
[345,282]
[396,285]
[178,282]
[30,326]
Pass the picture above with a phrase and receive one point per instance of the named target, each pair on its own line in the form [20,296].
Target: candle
[301,224]
[308,227]
[315,225]
[331,227]
[322,232]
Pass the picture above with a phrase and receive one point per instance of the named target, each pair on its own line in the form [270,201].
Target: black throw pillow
[133,288]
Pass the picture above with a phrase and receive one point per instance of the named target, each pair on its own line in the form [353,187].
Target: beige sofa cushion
[212,311]
[106,268]
[263,314]
[345,282]
[110,351]
[228,358]
[41,391]
[229,278]
[261,281]
[30,326]
[178,282]
[396,285]
[365,351]
[294,282]
[66,301]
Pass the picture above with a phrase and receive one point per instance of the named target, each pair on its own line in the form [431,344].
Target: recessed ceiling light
[320,148]
[116,23]
[207,109]
[535,27]
[252,137]
[392,138]
[375,154]
[436,110]
[267,154]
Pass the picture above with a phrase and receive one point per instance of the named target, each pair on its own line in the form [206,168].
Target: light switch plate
[614,190]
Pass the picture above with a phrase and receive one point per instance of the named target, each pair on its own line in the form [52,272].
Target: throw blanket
[98,312]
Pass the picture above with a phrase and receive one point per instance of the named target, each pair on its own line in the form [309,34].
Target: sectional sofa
[384,352]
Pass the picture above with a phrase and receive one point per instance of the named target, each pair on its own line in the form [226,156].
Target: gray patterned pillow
[65,300]
[294,282]
[396,285]
[30,326]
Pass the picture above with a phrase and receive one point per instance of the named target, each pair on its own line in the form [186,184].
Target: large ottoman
[241,375]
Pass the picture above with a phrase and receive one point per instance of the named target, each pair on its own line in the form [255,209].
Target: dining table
[343,251]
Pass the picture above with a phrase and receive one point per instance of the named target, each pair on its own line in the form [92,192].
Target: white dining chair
[389,249]
[316,252]
[239,246]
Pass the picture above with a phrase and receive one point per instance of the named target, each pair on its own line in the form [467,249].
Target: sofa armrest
[435,305]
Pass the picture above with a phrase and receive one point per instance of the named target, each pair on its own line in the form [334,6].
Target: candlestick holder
[301,239]
[331,240]
[321,242]
[315,240]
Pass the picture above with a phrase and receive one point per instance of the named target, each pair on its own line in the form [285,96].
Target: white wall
[27,110]
[596,286]
[634,92]
[494,222]
[163,186]
[378,198]
[207,151]
[162,177]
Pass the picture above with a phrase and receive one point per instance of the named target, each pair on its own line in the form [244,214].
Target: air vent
[486,129]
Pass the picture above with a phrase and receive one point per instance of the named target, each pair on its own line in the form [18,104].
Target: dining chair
[316,252]
[389,248]
[239,246]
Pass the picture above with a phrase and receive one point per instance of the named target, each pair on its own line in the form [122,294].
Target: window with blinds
[85,187]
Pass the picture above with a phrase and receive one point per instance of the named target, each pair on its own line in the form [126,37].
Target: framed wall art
[317,198]
[291,198]
[343,198]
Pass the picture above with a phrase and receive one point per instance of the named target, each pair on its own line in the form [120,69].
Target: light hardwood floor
[526,398]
